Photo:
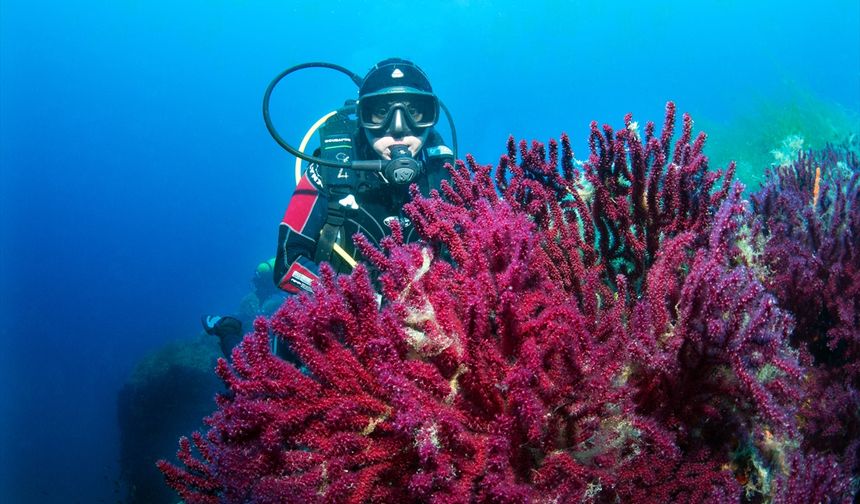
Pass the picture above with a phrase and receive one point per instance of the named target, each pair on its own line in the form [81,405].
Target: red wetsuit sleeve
[306,199]
[299,230]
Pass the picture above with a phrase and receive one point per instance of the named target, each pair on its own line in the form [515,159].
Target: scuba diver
[371,151]
[396,113]
[264,299]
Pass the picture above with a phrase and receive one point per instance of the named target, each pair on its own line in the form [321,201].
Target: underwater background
[140,187]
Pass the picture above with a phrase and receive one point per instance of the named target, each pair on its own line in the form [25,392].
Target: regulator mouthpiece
[403,168]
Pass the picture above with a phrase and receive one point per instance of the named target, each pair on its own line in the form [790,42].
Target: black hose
[268,119]
[451,125]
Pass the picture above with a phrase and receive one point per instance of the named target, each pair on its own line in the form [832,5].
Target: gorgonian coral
[808,232]
[557,336]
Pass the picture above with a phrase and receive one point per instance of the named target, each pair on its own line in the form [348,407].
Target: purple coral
[810,257]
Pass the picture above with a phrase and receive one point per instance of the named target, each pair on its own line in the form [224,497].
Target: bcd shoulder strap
[336,144]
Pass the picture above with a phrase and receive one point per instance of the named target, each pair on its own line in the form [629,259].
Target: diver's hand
[301,276]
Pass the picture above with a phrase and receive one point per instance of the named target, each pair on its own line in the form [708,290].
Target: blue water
[140,186]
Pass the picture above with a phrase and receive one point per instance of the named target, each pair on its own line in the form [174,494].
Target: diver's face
[398,132]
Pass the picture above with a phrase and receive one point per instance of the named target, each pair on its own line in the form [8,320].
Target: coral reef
[558,336]
[166,396]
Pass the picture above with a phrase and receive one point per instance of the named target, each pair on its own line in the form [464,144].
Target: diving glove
[301,276]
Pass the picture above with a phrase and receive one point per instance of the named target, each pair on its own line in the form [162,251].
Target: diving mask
[419,110]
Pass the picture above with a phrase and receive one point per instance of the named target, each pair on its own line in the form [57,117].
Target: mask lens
[422,109]
[376,111]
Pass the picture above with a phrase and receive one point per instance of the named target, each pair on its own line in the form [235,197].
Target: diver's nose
[398,127]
